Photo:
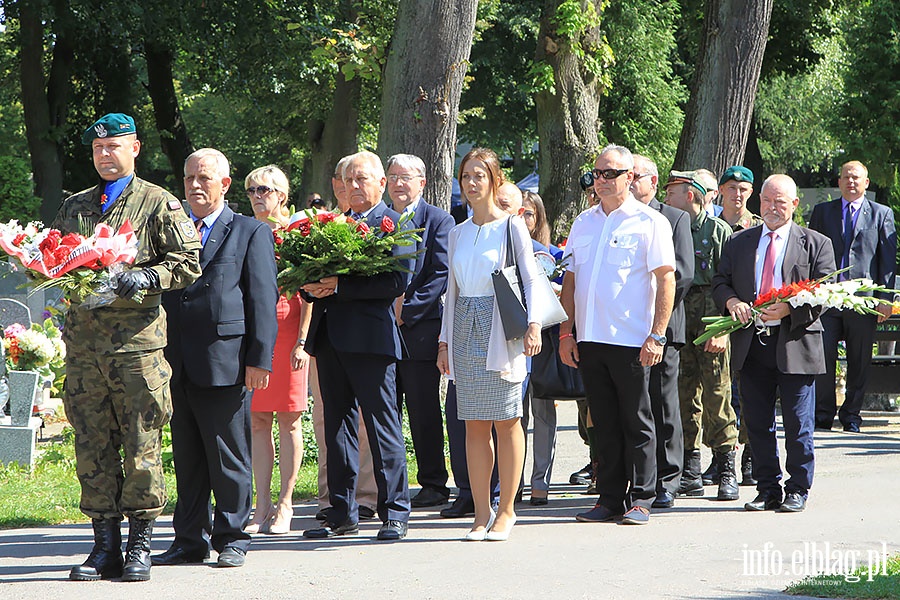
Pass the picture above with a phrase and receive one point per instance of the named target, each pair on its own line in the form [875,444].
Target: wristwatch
[660,339]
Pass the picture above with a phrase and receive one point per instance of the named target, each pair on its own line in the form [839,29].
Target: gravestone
[18,432]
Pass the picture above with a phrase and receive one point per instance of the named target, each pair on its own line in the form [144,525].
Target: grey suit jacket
[808,255]
[873,252]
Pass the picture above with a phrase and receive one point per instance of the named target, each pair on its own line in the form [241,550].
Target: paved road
[699,549]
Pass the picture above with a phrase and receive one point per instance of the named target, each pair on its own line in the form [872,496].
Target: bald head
[778,200]
[509,197]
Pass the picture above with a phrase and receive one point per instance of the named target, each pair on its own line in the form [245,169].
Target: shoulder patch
[188,229]
[174,204]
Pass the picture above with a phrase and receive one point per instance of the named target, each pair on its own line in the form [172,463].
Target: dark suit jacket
[684,265]
[873,253]
[361,314]
[225,321]
[422,307]
[808,255]
[460,213]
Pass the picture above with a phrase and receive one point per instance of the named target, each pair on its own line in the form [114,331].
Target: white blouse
[478,254]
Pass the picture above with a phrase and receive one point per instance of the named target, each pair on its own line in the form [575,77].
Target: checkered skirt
[481,395]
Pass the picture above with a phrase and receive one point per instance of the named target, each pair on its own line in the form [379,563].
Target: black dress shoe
[177,555]
[330,530]
[366,513]
[763,502]
[393,530]
[598,514]
[851,428]
[538,501]
[429,497]
[231,557]
[793,502]
[583,476]
[460,508]
[322,515]
[664,499]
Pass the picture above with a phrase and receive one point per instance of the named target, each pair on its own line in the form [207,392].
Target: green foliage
[575,20]
[884,584]
[17,199]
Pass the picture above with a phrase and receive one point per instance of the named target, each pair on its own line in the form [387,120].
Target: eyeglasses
[609,173]
[529,214]
[403,178]
[262,190]
[638,176]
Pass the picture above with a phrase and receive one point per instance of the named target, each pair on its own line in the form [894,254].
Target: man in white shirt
[619,292]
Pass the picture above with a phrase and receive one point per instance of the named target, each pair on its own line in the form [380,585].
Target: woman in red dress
[287,394]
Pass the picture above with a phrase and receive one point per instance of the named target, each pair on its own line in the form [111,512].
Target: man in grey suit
[779,354]
[863,237]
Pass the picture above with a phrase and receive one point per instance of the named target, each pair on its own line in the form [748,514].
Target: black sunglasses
[609,173]
[261,189]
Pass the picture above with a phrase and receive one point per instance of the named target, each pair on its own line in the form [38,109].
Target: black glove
[131,282]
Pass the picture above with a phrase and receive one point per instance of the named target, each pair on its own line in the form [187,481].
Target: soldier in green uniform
[736,187]
[704,383]
[117,380]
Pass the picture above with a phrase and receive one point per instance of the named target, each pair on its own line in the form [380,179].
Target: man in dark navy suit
[781,353]
[864,238]
[222,332]
[664,376]
[356,342]
[419,313]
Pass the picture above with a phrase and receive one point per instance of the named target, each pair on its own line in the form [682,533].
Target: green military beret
[738,173]
[109,125]
[688,177]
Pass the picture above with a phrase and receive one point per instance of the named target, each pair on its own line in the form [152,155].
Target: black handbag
[510,294]
[550,377]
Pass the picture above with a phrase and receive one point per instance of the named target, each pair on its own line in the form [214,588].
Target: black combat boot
[105,560]
[728,486]
[137,551]
[691,484]
[747,467]
[711,474]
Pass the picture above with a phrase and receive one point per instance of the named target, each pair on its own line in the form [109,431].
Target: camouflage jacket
[746,221]
[167,242]
[709,234]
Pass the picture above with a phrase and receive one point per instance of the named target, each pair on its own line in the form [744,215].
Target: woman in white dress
[473,351]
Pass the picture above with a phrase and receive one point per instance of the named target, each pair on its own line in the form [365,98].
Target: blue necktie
[356,216]
[848,240]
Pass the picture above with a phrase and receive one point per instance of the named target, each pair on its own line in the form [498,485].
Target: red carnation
[362,228]
[325,217]
[72,240]
[278,239]
[19,239]
[387,225]
[304,228]
[51,241]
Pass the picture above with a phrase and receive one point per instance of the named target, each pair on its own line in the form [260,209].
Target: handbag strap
[511,258]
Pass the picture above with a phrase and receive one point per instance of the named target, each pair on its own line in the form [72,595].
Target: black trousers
[617,388]
[211,446]
[418,381]
[859,333]
[667,421]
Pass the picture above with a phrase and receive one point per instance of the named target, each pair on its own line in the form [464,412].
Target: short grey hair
[407,161]
[339,167]
[623,152]
[787,180]
[369,158]
[652,169]
[222,167]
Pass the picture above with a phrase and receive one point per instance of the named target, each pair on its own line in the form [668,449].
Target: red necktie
[768,270]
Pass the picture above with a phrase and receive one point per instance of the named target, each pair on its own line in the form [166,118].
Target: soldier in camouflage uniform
[704,384]
[735,188]
[117,393]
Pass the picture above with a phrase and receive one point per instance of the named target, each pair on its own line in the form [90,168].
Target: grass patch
[884,583]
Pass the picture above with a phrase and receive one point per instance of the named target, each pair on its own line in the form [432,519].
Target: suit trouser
[366,488]
[456,436]
[667,420]
[419,382]
[543,439]
[859,333]
[211,446]
[354,383]
[760,379]
[617,389]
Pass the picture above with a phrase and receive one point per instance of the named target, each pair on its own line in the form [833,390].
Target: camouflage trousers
[118,404]
[704,383]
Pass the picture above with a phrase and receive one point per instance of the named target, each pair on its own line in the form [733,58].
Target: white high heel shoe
[478,536]
[500,536]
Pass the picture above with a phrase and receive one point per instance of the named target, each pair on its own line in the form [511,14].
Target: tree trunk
[173,134]
[331,139]
[567,122]
[717,121]
[44,107]
[423,79]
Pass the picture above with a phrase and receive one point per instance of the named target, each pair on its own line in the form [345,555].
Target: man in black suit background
[863,237]
[419,312]
[356,342]
[780,354]
[222,332]
[664,376]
